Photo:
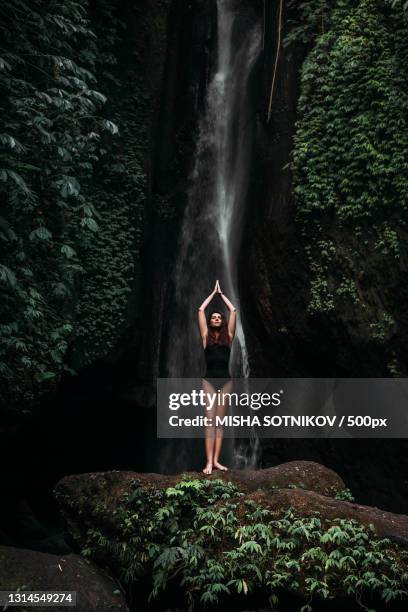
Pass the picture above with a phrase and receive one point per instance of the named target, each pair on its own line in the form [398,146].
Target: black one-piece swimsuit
[217,359]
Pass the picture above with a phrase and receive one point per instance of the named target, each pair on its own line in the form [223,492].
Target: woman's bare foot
[208,468]
[219,466]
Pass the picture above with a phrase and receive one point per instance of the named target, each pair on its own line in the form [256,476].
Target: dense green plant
[344,495]
[113,257]
[50,136]
[403,3]
[71,187]
[350,157]
[306,20]
[214,542]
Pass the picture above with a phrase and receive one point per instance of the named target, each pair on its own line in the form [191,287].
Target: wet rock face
[184,58]
[96,589]
[282,339]
[274,274]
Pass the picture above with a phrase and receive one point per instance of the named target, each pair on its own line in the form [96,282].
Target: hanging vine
[275,67]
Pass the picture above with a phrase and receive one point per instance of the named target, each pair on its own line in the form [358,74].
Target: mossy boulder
[249,538]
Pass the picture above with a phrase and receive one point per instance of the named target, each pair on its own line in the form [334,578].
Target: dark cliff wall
[361,330]
[182,96]
[283,339]
[272,275]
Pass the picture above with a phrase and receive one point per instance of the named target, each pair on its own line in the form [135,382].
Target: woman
[217,336]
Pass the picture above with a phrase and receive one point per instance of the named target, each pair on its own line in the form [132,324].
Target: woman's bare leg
[209,431]
[221,411]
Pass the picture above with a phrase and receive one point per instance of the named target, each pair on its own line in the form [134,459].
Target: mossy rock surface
[240,536]
[109,486]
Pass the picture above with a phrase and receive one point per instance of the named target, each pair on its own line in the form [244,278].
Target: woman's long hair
[223,337]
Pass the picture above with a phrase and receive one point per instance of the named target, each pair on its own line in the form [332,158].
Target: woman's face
[216,319]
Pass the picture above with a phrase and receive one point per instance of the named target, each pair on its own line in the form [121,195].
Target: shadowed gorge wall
[326,271]
[153,66]
[286,337]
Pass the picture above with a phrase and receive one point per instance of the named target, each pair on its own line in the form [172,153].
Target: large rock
[303,474]
[107,487]
[89,499]
[29,570]
[103,522]
[306,486]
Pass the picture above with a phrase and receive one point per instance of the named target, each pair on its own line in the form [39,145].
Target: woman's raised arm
[202,321]
[232,321]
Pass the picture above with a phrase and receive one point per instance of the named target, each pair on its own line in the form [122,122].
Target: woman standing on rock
[217,336]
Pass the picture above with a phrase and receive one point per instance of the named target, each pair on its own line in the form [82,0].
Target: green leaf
[7,276]
[89,222]
[43,376]
[41,233]
[112,127]
[69,186]
[68,251]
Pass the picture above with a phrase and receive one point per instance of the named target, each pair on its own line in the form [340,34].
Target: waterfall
[212,226]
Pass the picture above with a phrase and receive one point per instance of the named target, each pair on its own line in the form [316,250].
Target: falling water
[212,226]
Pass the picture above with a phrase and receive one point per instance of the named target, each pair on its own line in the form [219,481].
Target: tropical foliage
[208,538]
[71,190]
[350,157]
